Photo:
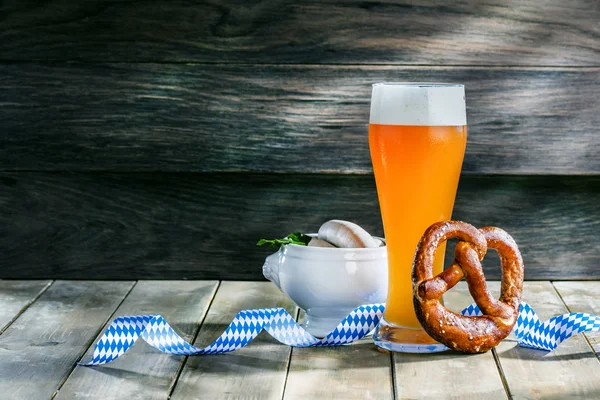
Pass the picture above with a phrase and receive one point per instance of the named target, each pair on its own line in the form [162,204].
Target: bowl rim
[338,249]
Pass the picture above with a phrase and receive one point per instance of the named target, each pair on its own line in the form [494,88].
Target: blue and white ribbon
[547,335]
[247,324]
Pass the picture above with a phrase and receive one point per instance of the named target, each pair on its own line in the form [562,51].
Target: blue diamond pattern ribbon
[547,335]
[247,324]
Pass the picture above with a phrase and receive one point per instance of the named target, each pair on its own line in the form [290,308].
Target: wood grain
[197,226]
[16,296]
[582,297]
[449,375]
[145,373]
[302,119]
[254,372]
[571,371]
[39,350]
[541,32]
[355,371]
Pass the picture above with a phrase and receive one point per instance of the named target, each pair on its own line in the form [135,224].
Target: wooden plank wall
[162,139]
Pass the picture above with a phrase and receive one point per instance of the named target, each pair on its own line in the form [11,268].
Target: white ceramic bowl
[328,283]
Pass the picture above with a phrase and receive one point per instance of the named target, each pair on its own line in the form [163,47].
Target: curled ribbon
[123,332]
[247,324]
[547,335]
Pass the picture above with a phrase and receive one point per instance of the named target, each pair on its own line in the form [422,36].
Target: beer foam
[418,104]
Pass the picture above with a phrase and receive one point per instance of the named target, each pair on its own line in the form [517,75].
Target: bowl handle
[271,268]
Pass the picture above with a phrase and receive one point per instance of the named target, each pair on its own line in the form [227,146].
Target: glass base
[405,340]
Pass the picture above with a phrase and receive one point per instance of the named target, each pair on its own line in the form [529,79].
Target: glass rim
[419,84]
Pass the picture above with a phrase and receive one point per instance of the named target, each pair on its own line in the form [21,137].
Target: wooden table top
[46,327]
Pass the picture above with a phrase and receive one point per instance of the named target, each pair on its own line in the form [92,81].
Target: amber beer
[417,138]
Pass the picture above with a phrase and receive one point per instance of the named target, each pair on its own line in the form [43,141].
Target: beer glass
[417,138]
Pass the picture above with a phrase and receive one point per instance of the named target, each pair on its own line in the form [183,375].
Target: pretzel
[458,332]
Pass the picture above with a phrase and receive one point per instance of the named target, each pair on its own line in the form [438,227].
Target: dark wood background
[151,139]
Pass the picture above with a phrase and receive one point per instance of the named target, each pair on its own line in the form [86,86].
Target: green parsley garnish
[293,238]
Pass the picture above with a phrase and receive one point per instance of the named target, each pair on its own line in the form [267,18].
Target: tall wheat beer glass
[417,137]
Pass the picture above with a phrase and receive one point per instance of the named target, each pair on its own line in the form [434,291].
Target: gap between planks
[501,373]
[91,342]
[442,375]
[393,377]
[289,363]
[570,371]
[259,369]
[26,306]
[194,337]
[587,340]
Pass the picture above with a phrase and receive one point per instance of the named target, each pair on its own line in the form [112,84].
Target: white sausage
[346,234]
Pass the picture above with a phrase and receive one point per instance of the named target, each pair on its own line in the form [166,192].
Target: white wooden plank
[582,296]
[449,375]
[39,350]
[257,371]
[355,371]
[569,372]
[144,372]
[15,296]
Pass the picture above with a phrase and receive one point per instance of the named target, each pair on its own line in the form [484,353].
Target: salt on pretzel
[458,332]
